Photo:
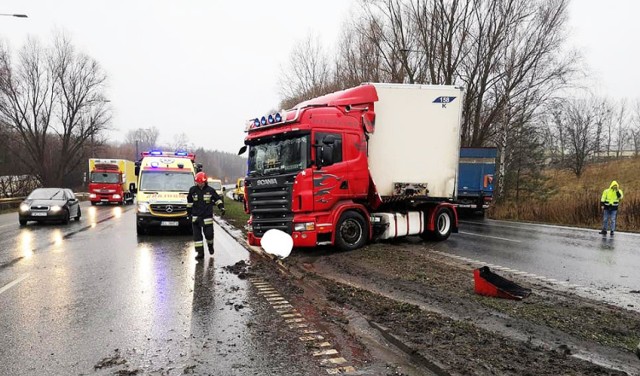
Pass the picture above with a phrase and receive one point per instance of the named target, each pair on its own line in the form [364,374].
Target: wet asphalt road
[582,260]
[93,298]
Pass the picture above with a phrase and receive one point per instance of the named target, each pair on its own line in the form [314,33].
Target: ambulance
[164,180]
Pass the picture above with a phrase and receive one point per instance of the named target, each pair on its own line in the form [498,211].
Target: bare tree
[635,128]
[622,127]
[143,138]
[181,142]
[52,97]
[308,74]
[580,119]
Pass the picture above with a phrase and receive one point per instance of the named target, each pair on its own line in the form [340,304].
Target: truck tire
[23,222]
[141,230]
[93,203]
[352,231]
[443,225]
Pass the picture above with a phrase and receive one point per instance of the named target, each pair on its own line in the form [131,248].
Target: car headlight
[306,226]
[55,208]
[24,207]
[143,207]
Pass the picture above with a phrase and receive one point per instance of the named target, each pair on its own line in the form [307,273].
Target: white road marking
[489,236]
[7,225]
[505,224]
[15,282]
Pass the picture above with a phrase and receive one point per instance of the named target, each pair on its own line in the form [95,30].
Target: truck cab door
[329,172]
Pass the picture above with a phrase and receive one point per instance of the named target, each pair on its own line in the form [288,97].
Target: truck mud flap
[488,283]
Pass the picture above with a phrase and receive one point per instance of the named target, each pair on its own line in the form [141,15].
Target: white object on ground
[277,243]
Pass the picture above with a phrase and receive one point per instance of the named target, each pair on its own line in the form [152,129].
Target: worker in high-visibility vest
[609,203]
[200,202]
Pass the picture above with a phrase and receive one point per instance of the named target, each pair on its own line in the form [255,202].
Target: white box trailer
[416,140]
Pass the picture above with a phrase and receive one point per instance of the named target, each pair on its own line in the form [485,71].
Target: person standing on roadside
[609,203]
[200,202]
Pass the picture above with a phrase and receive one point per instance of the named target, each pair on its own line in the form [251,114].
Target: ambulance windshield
[166,181]
[279,156]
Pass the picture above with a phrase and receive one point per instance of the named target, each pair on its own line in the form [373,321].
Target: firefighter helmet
[201,177]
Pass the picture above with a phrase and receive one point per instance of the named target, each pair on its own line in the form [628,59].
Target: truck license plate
[169,223]
[39,214]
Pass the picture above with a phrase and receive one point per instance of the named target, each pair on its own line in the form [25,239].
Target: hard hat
[201,177]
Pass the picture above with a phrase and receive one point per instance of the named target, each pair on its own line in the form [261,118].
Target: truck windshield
[105,177]
[166,181]
[280,156]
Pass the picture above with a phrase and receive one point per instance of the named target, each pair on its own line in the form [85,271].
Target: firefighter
[609,203]
[200,202]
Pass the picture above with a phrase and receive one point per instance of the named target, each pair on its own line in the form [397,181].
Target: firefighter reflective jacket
[200,202]
[611,197]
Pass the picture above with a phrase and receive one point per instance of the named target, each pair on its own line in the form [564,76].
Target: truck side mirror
[242,150]
[132,188]
[137,170]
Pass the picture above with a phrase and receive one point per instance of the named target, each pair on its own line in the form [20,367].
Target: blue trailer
[476,170]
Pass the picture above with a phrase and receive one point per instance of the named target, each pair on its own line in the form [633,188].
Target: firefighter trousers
[202,225]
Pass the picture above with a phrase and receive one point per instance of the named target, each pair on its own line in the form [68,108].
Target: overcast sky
[205,67]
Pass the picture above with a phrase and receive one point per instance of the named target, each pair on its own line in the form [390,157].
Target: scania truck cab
[377,161]
[164,180]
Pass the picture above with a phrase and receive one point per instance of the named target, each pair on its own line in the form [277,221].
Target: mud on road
[424,303]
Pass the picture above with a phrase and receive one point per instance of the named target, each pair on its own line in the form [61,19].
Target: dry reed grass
[576,201]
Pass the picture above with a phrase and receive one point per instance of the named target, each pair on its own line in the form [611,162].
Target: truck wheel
[443,224]
[141,230]
[93,203]
[352,231]
[23,222]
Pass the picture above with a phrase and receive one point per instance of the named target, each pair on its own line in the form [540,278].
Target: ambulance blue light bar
[181,153]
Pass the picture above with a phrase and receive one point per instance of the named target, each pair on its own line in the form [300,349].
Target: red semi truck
[377,161]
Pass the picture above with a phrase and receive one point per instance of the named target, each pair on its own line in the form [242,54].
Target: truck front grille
[270,205]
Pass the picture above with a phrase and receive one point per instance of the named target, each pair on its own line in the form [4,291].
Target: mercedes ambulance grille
[169,208]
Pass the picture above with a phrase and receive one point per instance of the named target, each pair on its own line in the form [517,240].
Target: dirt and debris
[110,361]
[240,269]
[427,300]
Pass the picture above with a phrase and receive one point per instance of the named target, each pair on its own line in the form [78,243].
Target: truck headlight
[117,196]
[306,226]
[24,207]
[55,208]
[143,207]
[92,195]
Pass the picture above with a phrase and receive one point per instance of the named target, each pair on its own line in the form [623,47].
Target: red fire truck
[377,161]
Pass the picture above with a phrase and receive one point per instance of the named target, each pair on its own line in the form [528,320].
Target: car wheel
[141,230]
[77,218]
[67,217]
[352,231]
[23,222]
